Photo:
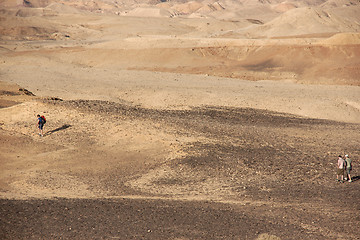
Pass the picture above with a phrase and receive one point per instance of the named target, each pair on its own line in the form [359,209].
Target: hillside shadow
[63,127]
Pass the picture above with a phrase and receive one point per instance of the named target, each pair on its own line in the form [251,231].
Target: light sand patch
[79,140]
[353,104]
[47,184]
[266,236]
[342,39]
[182,183]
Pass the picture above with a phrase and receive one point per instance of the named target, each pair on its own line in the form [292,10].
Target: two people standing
[343,167]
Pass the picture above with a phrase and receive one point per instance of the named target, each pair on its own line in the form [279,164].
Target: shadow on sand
[63,127]
[355,178]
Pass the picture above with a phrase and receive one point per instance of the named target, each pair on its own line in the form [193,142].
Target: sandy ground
[168,127]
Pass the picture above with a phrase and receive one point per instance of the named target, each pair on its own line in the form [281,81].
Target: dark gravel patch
[136,219]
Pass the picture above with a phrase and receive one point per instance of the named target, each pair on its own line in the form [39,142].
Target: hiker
[348,167]
[340,169]
[40,123]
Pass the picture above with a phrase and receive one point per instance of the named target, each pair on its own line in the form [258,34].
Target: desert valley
[176,119]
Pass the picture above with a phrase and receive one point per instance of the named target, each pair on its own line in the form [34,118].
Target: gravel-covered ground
[246,174]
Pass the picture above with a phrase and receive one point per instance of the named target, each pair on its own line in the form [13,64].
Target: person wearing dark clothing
[348,167]
[40,124]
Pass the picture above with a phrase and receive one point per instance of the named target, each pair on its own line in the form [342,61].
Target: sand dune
[200,46]
[61,8]
[302,21]
[263,10]
[342,39]
[284,6]
[339,3]
[149,12]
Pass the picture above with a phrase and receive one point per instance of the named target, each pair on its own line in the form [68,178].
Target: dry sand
[203,108]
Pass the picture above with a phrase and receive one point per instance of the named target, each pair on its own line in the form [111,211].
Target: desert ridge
[322,40]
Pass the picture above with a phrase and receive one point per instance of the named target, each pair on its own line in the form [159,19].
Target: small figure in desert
[348,168]
[340,169]
[40,124]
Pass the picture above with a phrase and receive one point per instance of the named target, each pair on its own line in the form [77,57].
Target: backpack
[43,119]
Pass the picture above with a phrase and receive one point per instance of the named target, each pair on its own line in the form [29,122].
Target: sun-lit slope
[264,18]
[331,61]
[302,21]
[150,12]
[221,9]
[53,22]
[339,3]
[342,39]
[285,48]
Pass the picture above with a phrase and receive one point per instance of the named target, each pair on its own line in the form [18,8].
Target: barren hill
[202,8]
[180,44]
[302,21]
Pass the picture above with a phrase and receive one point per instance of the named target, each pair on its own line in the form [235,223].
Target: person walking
[340,169]
[348,167]
[40,124]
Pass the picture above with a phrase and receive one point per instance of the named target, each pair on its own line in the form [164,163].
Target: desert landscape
[176,119]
